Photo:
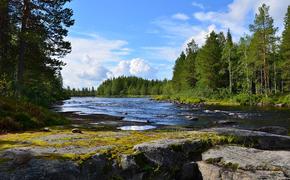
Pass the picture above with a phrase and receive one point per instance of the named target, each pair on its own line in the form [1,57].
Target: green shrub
[16,115]
[247,99]
[284,99]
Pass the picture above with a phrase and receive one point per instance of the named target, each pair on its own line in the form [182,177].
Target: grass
[226,100]
[17,115]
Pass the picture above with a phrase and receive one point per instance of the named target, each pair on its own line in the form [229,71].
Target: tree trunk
[22,45]
[230,72]
[4,37]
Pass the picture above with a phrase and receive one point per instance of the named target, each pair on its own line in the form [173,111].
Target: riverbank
[18,115]
[237,100]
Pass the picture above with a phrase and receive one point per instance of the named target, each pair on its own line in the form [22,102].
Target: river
[165,113]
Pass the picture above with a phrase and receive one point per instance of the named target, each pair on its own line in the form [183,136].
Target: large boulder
[169,152]
[233,162]
[260,140]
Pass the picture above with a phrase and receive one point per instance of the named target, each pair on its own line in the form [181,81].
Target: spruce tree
[208,64]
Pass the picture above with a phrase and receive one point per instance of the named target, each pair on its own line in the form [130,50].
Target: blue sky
[143,38]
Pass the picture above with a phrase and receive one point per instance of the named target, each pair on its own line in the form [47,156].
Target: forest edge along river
[145,114]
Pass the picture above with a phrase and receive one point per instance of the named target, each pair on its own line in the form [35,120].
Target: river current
[165,113]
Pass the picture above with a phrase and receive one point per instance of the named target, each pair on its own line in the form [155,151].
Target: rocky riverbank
[218,153]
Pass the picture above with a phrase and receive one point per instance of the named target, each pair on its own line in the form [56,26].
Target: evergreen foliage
[126,86]
[31,42]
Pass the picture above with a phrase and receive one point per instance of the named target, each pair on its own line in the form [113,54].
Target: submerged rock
[226,122]
[192,118]
[233,162]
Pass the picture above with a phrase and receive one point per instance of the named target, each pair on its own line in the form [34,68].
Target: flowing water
[165,113]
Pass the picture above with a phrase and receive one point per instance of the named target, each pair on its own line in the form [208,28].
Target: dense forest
[123,86]
[259,64]
[255,69]
[31,45]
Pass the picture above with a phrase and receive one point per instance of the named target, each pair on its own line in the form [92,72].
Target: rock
[18,156]
[96,167]
[280,105]
[232,114]
[46,129]
[191,118]
[169,152]
[260,104]
[274,130]
[190,171]
[208,111]
[212,172]
[229,162]
[76,130]
[127,162]
[226,122]
[260,140]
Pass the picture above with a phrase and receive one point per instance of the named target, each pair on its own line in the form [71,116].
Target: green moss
[4,160]
[220,162]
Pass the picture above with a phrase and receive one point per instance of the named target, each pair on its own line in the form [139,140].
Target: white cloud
[181,32]
[198,5]
[162,53]
[135,67]
[180,16]
[85,64]
[236,17]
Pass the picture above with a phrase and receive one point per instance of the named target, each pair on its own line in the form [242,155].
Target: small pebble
[76,130]
[46,129]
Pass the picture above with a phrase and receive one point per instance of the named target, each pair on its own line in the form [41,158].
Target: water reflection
[136,128]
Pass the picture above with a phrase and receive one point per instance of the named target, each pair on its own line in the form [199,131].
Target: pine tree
[227,56]
[244,66]
[263,36]
[191,53]
[285,51]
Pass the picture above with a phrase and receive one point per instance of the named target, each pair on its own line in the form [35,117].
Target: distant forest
[123,86]
[258,64]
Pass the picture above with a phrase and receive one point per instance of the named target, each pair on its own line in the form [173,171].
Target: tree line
[123,86]
[31,44]
[258,64]
[131,86]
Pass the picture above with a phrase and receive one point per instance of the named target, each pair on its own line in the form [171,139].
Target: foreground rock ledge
[164,158]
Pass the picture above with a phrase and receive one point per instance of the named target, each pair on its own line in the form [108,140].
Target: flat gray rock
[249,163]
